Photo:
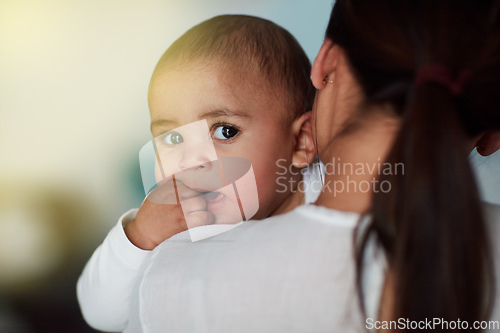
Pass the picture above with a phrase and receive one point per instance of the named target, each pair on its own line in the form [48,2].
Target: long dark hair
[430,224]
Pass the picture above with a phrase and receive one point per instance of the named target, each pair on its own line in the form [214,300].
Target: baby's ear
[304,151]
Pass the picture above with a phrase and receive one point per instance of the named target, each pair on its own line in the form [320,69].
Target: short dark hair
[248,44]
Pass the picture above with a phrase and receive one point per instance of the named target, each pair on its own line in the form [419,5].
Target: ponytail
[431,225]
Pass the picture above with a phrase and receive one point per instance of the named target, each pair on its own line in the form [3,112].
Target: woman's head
[387,45]
[430,70]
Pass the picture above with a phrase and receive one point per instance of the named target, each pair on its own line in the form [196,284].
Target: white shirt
[487,171]
[289,273]
[105,285]
[107,281]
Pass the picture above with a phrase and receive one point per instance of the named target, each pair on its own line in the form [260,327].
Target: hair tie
[441,74]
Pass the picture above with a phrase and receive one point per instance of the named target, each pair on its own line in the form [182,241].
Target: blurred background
[73,116]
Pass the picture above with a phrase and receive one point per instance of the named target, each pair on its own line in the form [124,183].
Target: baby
[246,81]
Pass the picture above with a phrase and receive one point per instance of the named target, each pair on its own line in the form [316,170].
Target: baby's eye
[224,132]
[172,138]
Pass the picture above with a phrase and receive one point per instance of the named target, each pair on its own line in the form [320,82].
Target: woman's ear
[488,143]
[304,150]
[324,64]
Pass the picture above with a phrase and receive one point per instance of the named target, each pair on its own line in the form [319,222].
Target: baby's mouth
[214,200]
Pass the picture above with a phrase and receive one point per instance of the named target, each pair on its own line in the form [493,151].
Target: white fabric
[314,178]
[493,216]
[105,284]
[289,273]
[487,171]
[374,269]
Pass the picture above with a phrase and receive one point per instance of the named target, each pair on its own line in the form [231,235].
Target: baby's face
[242,122]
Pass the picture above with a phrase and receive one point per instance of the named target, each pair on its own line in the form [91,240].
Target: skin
[369,140]
[227,105]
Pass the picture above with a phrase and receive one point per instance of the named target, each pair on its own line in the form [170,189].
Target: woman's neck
[353,166]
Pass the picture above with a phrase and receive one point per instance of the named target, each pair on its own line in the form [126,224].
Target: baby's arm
[105,286]
[106,282]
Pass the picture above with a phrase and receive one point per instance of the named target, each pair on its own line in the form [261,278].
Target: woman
[406,89]
[420,81]
[426,77]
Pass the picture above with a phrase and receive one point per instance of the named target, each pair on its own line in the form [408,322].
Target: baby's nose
[197,157]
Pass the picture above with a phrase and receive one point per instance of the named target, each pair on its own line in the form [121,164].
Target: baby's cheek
[267,193]
[248,194]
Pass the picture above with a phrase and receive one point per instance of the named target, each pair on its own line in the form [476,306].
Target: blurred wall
[74,78]
[73,115]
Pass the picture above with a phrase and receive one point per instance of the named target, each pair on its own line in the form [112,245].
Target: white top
[487,171]
[105,285]
[289,273]
[107,281]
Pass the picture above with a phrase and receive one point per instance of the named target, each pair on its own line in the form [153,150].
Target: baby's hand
[161,217]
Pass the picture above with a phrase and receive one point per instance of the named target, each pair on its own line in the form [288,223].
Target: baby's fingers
[198,218]
[195,212]
[164,193]
[186,192]
[193,204]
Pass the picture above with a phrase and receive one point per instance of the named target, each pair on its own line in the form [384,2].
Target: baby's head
[249,79]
